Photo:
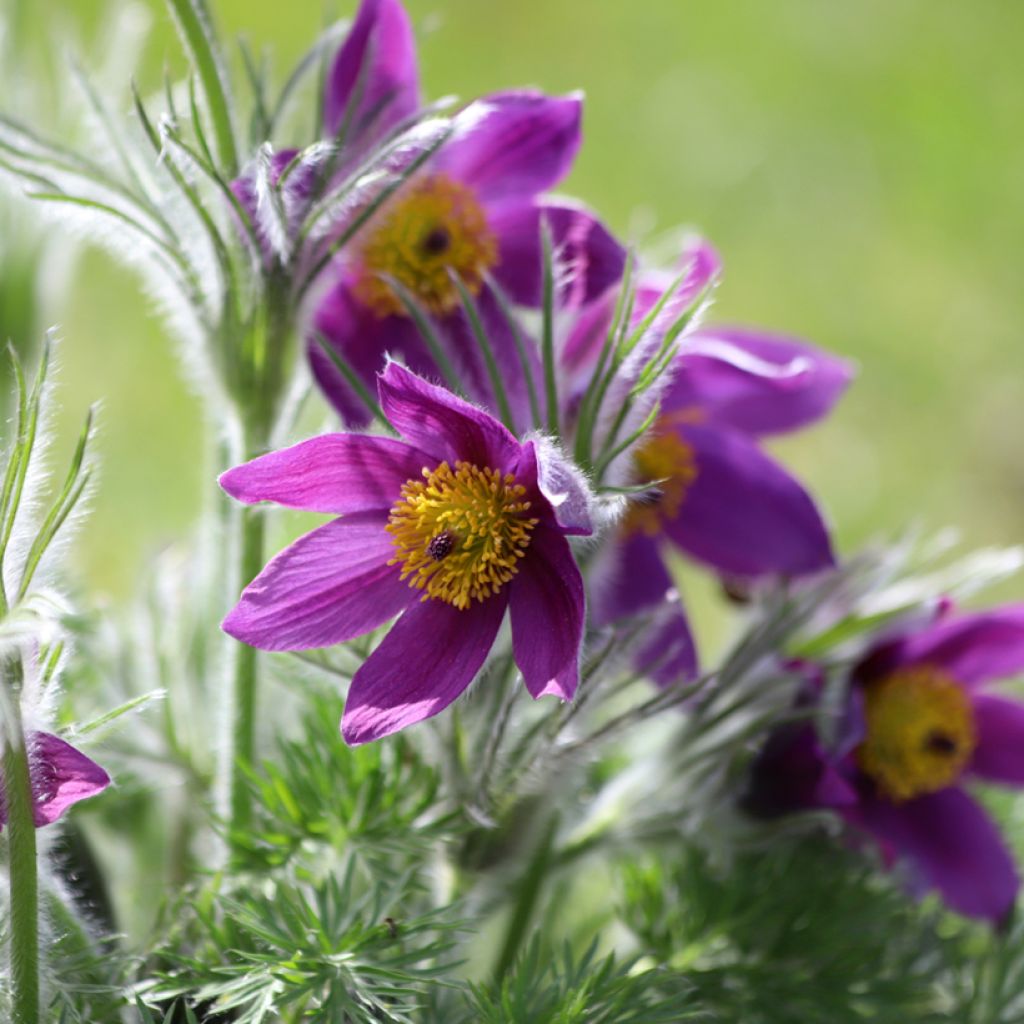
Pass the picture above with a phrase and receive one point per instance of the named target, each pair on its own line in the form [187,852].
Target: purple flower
[371,89]
[446,528]
[924,723]
[722,500]
[473,213]
[61,776]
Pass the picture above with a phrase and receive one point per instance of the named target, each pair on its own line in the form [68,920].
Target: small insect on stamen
[441,546]
[940,743]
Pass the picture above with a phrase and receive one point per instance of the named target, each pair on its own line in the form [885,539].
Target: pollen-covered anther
[919,732]
[667,458]
[432,230]
[459,534]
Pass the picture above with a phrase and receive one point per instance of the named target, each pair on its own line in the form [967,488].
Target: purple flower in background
[721,499]
[61,776]
[446,528]
[371,89]
[472,213]
[923,722]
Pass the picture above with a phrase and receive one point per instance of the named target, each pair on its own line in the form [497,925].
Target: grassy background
[858,165]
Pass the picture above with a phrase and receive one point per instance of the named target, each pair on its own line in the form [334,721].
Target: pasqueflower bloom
[447,528]
[721,499]
[923,723]
[372,87]
[61,776]
[474,214]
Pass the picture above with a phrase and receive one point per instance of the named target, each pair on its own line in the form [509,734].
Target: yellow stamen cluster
[434,228]
[460,533]
[668,458]
[919,732]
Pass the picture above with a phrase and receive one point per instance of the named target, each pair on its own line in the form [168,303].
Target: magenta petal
[629,577]
[999,755]
[547,609]
[743,514]
[61,776]
[376,69]
[339,473]
[952,846]
[513,144]
[587,258]
[435,420]
[428,658]
[755,382]
[975,649]
[364,340]
[329,586]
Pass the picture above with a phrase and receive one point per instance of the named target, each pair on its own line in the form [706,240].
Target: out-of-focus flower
[716,496]
[922,722]
[61,776]
[448,527]
[473,213]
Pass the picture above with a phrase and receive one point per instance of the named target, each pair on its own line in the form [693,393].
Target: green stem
[22,865]
[244,682]
[527,893]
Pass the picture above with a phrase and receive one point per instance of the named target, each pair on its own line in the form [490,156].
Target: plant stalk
[244,682]
[23,871]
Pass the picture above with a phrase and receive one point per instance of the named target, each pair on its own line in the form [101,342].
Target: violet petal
[428,658]
[331,585]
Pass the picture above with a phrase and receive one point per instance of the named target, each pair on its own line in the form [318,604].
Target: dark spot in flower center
[441,546]
[436,241]
[938,742]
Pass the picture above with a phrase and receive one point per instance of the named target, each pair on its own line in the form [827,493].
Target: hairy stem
[21,855]
[244,683]
[526,895]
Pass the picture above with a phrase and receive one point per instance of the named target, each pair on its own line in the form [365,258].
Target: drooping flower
[923,725]
[719,498]
[448,528]
[61,776]
[472,214]
[371,89]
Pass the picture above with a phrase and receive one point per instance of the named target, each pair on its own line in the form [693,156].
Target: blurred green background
[860,167]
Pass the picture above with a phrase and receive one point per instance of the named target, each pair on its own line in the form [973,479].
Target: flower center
[460,533]
[435,228]
[920,732]
[668,458]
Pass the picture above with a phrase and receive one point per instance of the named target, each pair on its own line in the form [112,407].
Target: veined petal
[373,83]
[364,340]
[337,473]
[428,658]
[513,144]
[999,755]
[438,422]
[546,603]
[331,585]
[61,776]
[587,258]
[755,382]
[743,514]
[974,649]
[951,845]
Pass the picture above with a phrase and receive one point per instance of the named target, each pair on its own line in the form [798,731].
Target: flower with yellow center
[919,732]
[668,459]
[460,533]
[435,229]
